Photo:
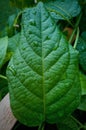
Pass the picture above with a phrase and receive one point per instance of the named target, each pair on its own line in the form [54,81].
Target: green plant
[43,75]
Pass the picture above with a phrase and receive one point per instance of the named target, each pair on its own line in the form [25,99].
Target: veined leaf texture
[43,73]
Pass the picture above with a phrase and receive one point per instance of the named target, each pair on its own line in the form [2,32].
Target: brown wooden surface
[7,120]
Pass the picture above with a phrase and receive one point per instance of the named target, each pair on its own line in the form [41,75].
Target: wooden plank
[7,120]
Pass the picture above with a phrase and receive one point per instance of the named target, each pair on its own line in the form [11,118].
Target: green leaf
[6,11]
[84,35]
[22,3]
[43,73]
[3,82]
[81,47]
[13,43]
[83,83]
[3,87]
[3,49]
[60,9]
[68,124]
[83,20]
[82,105]
[10,30]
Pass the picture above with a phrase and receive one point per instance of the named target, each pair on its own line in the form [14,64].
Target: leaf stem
[52,10]
[3,77]
[16,126]
[79,123]
[76,26]
[77,37]
[41,126]
[78,20]
[72,35]
[16,19]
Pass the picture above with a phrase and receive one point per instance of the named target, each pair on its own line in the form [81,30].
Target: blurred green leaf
[13,43]
[82,105]
[60,9]
[83,20]
[22,3]
[5,12]
[84,35]
[83,83]
[9,28]
[3,81]
[68,124]
[81,47]
[3,49]
[3,87]
[10,25]
[13,25]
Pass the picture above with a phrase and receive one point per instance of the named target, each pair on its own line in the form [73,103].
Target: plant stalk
[79,123]
[76,40]
[76,26]
[3,77]
[16,19]
[41,126]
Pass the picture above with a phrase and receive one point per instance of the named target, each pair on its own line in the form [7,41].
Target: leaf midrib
[43,79]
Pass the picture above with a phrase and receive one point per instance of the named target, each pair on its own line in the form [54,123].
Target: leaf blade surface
[42,71]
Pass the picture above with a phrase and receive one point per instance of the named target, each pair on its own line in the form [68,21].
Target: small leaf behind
[83,83]
[68,124]
[3,49]
[60,9]
[81,47]
[82,105]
